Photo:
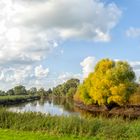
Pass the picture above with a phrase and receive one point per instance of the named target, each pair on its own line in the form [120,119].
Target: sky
[43,43]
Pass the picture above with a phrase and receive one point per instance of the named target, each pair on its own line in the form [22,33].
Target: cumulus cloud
[70,20]
[88,65]
[41,72]
[133,32]
[25,44]
[31,29]
[26,75]
[135,64]
[63,77]
[136,67]
[11,76]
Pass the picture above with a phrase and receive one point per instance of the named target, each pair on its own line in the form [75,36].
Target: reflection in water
[55,106]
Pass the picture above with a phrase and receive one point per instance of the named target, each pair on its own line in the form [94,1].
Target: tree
[10,92]
[71,92]
[110,83]
[32,91]
[66,89]
[41,92]
[2,93]
[49,91]
[20,90]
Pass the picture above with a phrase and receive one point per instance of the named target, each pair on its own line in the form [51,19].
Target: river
[55,106]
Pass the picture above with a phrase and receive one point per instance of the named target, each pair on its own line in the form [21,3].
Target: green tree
[20,90]
[2,93]
[71,92]
[41,92]
[32,91]
[10,92]
[66,89]
[49,91]
[110,83]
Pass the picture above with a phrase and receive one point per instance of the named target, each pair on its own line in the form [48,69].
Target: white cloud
[136,67]
[25,75]
[135,64]
[31,29]
[10,76]
[88,65]
[25,44]
[133,32]
[41,72]
[70,20]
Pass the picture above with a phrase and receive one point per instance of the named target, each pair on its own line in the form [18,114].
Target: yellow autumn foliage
[110,82]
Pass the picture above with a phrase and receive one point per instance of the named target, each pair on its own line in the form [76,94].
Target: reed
[114,128]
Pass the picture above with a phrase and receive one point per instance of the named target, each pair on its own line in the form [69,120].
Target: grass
[6,134]
[14,99]
[98,127]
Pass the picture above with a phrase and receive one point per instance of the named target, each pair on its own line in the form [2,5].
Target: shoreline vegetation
[93,127]
[17,99]
[19,94]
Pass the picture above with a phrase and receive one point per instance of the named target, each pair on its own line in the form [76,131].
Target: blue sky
[46,42]
[120,47]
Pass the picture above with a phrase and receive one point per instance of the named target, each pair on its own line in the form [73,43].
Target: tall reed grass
[114,128]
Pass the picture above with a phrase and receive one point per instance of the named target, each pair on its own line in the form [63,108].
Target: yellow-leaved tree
[110,82]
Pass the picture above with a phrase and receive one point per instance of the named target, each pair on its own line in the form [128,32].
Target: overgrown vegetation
[110,83]
[115,128]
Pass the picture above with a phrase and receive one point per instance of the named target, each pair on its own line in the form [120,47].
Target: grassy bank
[99,127]
[6,134]
[15,99]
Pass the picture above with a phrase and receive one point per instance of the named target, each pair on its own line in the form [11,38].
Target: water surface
[55,106]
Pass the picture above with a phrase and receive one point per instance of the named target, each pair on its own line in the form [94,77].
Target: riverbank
[93,127]
[131,111]
[17,99]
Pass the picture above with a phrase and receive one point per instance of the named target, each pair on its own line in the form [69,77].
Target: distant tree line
[66,89]
[21,90]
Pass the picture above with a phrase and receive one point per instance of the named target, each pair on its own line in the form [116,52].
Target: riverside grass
[16,99]
[6,134]
[92,127]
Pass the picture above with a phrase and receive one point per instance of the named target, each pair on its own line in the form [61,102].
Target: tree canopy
[66,89]
[20,90]
[111,82]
